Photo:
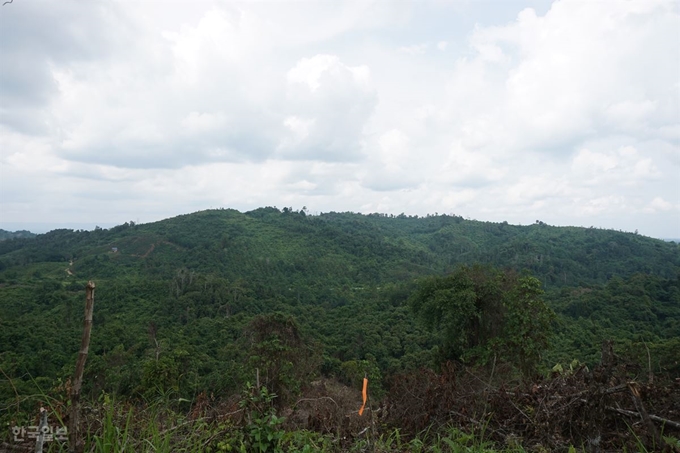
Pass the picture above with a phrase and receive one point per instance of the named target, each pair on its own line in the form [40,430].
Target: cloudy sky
[562,111]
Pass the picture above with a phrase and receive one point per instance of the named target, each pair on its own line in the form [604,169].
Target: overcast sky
[566,112]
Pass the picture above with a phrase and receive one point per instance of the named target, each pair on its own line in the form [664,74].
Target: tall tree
[283,357]
[481,311]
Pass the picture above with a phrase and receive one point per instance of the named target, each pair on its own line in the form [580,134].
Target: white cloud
[623,166]
[659,204]
[468,167]
[414,49]
[197,123]
[600,205]
[569,113]
[300,127]
[330,103]
[311,71]
[391,166]
[630,113]
[587,161]
[572,73]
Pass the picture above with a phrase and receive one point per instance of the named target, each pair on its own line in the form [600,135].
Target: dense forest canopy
[188,305]
[4,234]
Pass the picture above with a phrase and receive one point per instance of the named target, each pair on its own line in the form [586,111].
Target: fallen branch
[315,399]
[656,418]
[635,393]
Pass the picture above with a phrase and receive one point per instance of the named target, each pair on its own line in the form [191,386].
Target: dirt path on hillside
[68,269]
[153,246]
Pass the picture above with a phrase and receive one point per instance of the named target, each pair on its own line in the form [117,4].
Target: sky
[565,111]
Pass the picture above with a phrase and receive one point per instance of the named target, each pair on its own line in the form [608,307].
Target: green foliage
[112,438]
[304,441]
[354,371]
[482,312]
[527,324]
[445,439]
[263,430]
[640,313]
[280,355]
[9,235]
[198,302]
[452,304]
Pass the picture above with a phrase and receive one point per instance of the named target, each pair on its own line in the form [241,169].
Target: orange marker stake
[364,393]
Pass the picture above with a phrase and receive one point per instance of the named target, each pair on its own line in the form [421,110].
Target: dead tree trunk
[75,439]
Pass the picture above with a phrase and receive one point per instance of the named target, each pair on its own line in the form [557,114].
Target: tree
[481,312]
[526,330]
[283,357]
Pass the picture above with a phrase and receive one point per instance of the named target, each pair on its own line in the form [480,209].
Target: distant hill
[273,246]
[4,235]
[174,298]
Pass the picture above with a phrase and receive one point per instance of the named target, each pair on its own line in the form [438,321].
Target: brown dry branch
[585,408]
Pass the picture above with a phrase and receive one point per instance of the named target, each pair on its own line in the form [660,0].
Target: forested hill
[269,245]
[4,235]
[200,303]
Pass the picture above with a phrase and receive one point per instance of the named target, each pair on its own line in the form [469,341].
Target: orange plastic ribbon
[364,393]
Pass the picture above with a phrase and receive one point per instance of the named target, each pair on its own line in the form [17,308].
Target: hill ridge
[361,248]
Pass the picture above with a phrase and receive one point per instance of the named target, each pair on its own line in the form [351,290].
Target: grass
[157,427]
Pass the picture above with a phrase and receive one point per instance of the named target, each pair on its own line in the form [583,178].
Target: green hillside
[4,234]
[180,303]
[268,244]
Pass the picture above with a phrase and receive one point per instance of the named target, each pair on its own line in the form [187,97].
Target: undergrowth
[118,427]
[253,423]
